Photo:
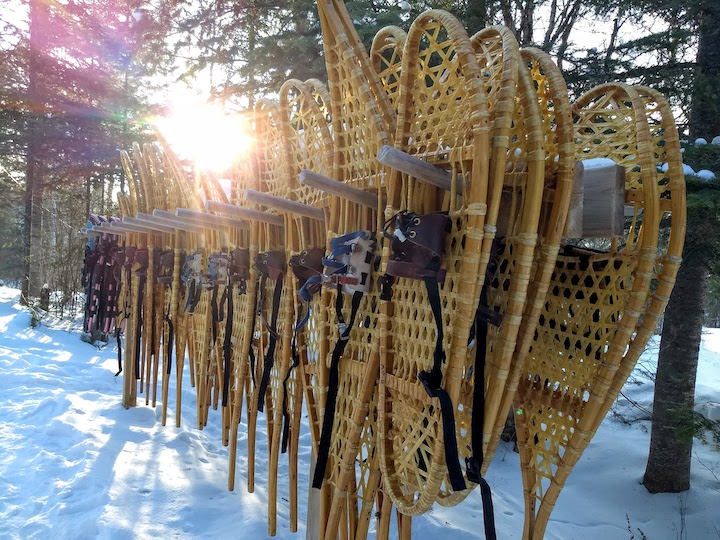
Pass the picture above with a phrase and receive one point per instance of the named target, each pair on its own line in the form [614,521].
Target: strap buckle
[472,470]
[430,382]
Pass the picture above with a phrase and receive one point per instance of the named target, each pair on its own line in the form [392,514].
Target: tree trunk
[705,107]
[29,282]
[27,225]
[668,467]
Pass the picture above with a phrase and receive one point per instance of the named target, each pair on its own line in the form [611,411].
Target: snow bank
[75,464]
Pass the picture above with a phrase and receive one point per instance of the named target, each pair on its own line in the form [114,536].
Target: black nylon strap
[295,363]
[223,302]
[119,347]
[227,347]
[138,329]
[214,313]
[169,346]
[488,511]
[272,343]
[193,298]
[473,464]
[251,353]
[432,380]
[171,335]
[333,383]
[111,296]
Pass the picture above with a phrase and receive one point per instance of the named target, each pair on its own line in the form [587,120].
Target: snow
[716,140]
[687,169]
[706,175]
[700,141]
[75,464]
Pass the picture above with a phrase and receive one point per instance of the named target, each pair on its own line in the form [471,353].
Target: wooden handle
[132,227]
[107,227]
[211,220]
[416,167]
[146,225]
[333,187]
[284,205]
[244,213]
[97,229]
[174,223]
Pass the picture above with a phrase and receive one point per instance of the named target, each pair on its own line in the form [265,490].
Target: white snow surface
[706,175]
[75,464]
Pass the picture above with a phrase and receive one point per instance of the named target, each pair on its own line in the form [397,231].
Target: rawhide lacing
[350,266]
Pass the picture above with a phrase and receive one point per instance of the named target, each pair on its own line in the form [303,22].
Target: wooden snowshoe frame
[593,305]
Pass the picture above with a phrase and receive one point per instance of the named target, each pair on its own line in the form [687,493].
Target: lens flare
[205,134]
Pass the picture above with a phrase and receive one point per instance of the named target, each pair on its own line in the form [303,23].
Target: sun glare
[205,134]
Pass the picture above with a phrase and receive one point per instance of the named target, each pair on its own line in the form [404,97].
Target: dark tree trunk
[705,107]
[668,467]
[27,225]
[29,283]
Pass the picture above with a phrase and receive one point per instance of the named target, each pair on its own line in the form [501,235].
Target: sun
[202,132]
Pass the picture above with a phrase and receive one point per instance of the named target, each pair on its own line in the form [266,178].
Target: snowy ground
[75,464]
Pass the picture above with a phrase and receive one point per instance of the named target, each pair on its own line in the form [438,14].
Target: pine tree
[65,104]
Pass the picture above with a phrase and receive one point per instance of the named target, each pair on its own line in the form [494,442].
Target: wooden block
[100,231]
[602,207]
[211,220]
[284,205]
[106,227]
[132,227]
[244,213]
[416,167]
[339,189]
[155,227]
[169,222]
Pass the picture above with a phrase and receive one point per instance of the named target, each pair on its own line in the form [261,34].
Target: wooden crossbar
[211,220]
[339,189]
[284,205]
[416,167]
[244,213]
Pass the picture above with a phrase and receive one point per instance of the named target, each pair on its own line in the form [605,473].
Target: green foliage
[369,18]
[703,233]
[10,230]
[692,424]
[703,156]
